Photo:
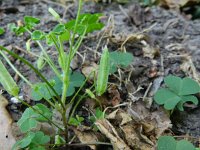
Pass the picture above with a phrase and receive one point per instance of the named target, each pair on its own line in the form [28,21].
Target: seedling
[55,91]
[169,143]
[177,92]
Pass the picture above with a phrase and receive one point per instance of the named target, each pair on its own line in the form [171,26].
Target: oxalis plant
[55,91]
[177,92]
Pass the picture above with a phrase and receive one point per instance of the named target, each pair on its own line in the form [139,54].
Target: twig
[147,91]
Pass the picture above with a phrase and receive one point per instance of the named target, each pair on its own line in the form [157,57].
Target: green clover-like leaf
[119,59]
[30,117]
[177,93]
[185,86]
[40,138]
[59,29]
[24,142]
[90,22]
[30,21]
[41,90]
[32,141]
[188,98]
[169,143]
[37,35]
[167,97]
[166,143]
[184,145]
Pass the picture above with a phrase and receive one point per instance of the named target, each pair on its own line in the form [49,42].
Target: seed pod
[41,62]
[103,73]
[7,81]
[89,92]
[28,45]
[54,13]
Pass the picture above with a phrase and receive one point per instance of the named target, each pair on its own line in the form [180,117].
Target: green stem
[67,70]
[78,102]
[66,73]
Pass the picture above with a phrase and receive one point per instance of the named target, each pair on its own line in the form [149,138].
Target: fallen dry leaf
[133,137]
[110,132]
[149,51]
[88,69]
[177,3]
[6,138]
[88,136]
[158,120]
[114,95]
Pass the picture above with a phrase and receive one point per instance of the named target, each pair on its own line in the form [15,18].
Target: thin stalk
[49,61]
[67,70]
[73,98]
[78,43]
[55,43]
[15,69]
[77,103]
[66,73]
[75,27]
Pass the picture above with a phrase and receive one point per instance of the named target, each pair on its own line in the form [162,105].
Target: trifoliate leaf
[177,93]
[119,59]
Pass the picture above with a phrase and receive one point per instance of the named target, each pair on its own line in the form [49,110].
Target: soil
[171,36]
